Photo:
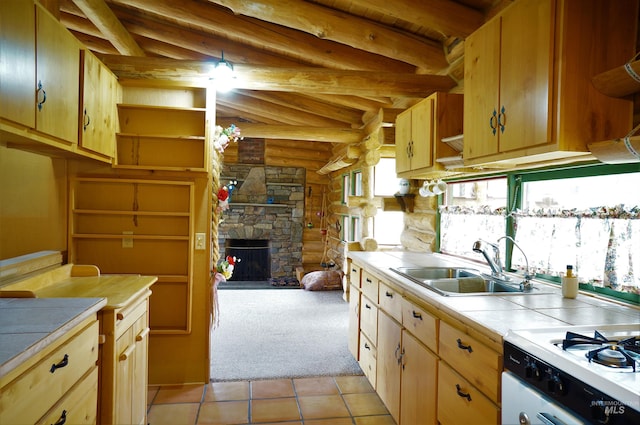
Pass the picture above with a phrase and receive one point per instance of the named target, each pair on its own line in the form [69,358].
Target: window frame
[515,179]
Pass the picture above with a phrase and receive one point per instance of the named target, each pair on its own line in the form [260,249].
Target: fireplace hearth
[256,259]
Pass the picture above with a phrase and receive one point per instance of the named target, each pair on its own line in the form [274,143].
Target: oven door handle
[549,419]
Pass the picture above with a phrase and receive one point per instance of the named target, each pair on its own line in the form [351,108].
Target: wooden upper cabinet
[419,131]
[528,90]
[98,110]
[18,73]
[57,78]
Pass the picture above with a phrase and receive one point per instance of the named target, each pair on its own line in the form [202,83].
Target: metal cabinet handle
[417,315]
[41,95]
[367,346]
[464,347]
[369,280]
[462,394]
[399,354]
[502,119]
[62,363]
[493,122]
[62,419]
[86,120]
[367,306]
[388,294]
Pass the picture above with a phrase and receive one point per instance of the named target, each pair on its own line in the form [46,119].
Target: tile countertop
[494,315]
[27,325]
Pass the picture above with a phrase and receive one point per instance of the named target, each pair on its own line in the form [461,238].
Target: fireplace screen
[256,260]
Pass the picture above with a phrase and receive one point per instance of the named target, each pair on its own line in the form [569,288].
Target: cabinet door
[98,114]
[354,321]
[18,70]
[481,90]
[57,69]
[419,383]
[526,75]
[125,348]
[140,375]
[422,134]
[403,141]
[388,368]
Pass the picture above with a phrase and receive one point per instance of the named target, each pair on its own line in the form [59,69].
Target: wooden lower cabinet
[459,402]
[389,363]
[419,393]
[354,321]
[123,398]
[41,394]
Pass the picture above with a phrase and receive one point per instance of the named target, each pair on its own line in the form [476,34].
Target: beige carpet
[277,333]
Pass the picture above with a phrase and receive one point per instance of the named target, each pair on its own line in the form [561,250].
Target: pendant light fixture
[223,75]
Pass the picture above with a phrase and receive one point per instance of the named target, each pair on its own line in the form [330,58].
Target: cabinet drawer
[369,285]
[479,364]
[368,356]
[33,393]
[390,302]
[420,324]
[461,403]
[79,406]
[354,274]
[369,319]
[128,315]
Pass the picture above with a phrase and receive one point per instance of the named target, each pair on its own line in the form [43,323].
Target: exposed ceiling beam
[344,28]
[305,80]
[269,37]
[290,132]
[445,16]
[106,21]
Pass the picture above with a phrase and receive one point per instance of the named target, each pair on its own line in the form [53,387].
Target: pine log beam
[283,41]
[445,16]
[284,114]
[106,21]
[348,29]
[305,80]
[290,132]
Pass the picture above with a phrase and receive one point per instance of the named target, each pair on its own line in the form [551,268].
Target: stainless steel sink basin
[453,281]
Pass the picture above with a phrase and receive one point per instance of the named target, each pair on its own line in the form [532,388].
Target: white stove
[591,373]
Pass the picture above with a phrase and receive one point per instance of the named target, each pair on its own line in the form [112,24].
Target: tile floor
[340,400]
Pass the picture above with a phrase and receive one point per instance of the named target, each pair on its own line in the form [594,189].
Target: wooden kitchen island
[123,330]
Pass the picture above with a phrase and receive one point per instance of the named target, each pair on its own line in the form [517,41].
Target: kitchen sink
[454,281]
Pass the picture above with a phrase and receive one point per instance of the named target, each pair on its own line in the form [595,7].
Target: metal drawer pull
[549,419]
[461,394]
[417,315]
[367,346]
[388,294]
[63,418]
[367,306]
[369,280]
[61,364]
[464,347]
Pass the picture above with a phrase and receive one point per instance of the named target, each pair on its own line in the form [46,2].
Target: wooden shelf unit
[161,138]
[139,226]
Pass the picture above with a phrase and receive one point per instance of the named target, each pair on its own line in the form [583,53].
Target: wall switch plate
[200,241]
[127,242]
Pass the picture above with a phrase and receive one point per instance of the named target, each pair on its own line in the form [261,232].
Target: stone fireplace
[266,205]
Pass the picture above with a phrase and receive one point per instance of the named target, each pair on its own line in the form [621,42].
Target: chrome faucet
[496,264]
[492,259]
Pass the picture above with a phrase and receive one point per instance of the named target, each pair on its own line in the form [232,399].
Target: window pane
[357,183]
[386,183]
[388,225]
[472,211]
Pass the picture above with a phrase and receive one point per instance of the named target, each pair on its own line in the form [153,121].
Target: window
[387,225]
[345,189]
[356,182]
[587,217]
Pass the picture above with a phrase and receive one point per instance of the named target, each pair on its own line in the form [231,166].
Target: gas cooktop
[604,357]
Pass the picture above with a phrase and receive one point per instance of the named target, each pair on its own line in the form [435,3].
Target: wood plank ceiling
[307,69]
